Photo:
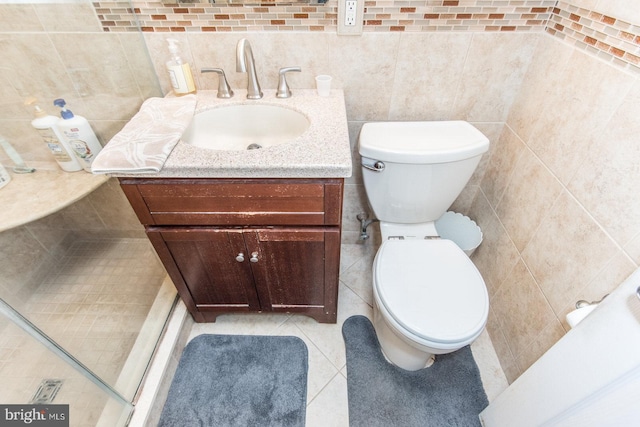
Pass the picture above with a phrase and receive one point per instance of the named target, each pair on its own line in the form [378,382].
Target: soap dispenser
[179,71]
[77,132]
[45,124]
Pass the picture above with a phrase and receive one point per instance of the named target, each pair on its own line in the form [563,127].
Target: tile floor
[94,306]
[25,363]
[327,377]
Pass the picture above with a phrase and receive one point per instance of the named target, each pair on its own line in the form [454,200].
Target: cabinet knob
[254,257]
[240,257]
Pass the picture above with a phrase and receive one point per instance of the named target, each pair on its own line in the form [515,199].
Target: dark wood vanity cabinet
[245,245]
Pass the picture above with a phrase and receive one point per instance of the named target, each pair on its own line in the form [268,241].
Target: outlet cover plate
[350,18]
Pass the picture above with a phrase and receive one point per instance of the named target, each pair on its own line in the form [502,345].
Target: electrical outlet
[350,13]
[350,17]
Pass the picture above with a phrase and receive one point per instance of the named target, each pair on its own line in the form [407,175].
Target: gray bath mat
[447,394]
[237,380]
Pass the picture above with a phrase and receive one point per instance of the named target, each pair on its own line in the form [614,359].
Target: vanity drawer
[229,202]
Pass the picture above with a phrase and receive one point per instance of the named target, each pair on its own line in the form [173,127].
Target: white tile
[328,337]
[321,370]
[359,278]
[493,379]
[330,407]
[241,324]
[352,253]
[343,371]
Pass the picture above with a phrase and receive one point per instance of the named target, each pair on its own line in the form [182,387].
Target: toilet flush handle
[377,166]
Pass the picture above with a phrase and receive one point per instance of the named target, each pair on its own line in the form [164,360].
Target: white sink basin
[245,127]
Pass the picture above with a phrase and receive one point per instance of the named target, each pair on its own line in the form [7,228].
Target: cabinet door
[212,264]
[295,269]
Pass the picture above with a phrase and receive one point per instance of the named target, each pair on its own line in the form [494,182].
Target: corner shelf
[29,197]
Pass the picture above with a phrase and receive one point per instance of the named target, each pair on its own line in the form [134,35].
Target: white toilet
[429,298]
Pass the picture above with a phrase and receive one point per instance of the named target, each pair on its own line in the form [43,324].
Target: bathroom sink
[245,127]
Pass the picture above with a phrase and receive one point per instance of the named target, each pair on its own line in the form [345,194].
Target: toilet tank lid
[421,142]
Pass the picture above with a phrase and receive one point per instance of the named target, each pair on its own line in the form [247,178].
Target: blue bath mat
[447,394]
[238,380]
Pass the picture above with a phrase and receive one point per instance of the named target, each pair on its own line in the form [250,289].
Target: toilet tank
[414,171]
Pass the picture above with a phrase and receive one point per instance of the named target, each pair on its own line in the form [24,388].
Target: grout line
[323,388]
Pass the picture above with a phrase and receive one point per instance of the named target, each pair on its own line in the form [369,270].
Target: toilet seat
[432,290]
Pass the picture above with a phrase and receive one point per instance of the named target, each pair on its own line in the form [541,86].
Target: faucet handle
[283,87]
[224,90]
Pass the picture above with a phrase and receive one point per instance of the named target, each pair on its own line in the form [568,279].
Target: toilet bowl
[429,299]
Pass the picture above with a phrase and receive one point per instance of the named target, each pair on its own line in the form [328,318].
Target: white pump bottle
[45,124]
[77,132]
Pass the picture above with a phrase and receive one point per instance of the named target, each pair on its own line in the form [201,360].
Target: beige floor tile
[321,370]
[352,253]
[359,278]
[241,324]
[330,407]
[328,337]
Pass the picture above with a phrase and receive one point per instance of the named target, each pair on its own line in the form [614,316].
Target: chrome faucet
[283,88]
[246,64]
[224,90]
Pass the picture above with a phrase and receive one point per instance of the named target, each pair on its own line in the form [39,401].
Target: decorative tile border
[116,16]
[611,39]
[379,16]
[603,36]
[155,16]
[461,15]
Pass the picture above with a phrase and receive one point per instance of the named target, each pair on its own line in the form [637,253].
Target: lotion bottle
[179,71]
[45,124]
[78,134]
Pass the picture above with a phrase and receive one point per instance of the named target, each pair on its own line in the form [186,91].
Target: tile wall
[379,15]
[31,252]
[558,203]
[609,37]
[60,51]
[555,194]
[54,51]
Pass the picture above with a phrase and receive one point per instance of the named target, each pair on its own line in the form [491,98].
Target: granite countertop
[31,196]
[323,151]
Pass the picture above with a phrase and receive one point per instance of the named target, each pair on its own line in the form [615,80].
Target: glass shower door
[84,273]
[39,376]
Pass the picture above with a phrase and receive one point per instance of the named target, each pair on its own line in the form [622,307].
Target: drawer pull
[240,257]
[254,257]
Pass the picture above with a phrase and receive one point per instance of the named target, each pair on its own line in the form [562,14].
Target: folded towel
[144,144]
